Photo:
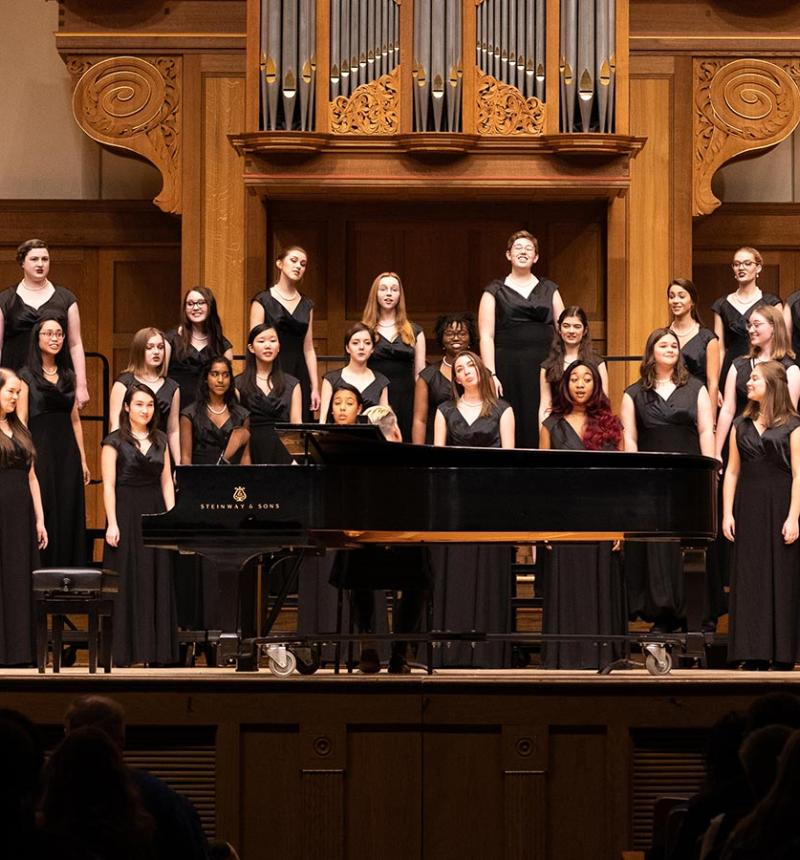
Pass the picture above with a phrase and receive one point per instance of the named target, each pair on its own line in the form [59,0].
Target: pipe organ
[477,67]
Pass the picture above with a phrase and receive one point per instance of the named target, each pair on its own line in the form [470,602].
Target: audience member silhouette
[21,754]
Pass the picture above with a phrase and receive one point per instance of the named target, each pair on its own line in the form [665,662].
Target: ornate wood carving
[503,110]
[372,109]
[134,104]
[739,106]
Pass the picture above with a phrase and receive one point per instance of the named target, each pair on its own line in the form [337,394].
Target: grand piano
[336,497]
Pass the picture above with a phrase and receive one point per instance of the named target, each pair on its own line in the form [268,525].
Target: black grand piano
[337,498]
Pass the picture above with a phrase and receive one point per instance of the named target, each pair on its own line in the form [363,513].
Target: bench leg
[106,636]
[93,636]
[58,631]
[41,636]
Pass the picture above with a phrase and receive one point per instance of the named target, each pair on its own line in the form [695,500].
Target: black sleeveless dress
[765,572]
[523,334]
[439,391]
[185,369]
[585,592]
[395,360]
[163,396]
[145,624]
[371,395]
[654,571]
[58,468]
[266,410]
[694,353]
[735,328]
[208,440]
[20,318]
[18,557]
[473,583]
[291,328]
[793,302]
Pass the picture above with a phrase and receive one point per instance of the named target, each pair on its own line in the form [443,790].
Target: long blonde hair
[781,345]
[370,315]
[138,346]
[776,408]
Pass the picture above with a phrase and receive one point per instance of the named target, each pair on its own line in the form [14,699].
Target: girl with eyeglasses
[516,319]
[732,311]
[194,341]
[49,407]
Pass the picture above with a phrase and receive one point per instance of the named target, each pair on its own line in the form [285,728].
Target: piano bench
[64,591]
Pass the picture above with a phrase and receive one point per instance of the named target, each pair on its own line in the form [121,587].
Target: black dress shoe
[369,663]
[398,665]
[754,665]
[780,666]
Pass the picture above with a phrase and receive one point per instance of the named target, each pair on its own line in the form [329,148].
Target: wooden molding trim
[134,104]
[372,109]
[739,106]
[501,109]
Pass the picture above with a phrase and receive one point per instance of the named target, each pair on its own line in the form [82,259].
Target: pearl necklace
[216,411]
[140,436]
[680,333]
[49,372]
[286,298]
[262,378]
[467,403]
[445,362]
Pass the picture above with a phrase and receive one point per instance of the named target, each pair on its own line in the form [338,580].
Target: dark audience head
[777,708]
[99,712]
[461,322]
[722,749]
[760,754]
[22,758]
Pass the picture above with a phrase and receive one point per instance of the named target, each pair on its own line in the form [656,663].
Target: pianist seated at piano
[666,410]
[137,479]
[585,592]
[268,394]
[405,570]
[473,582]
[372,385]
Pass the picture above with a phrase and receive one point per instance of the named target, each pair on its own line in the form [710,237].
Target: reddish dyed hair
[603,429]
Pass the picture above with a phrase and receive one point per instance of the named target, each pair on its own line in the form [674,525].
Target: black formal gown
[473,583]
[291,327]
[20,318]
[694,353]
[439,391]
[208,598]
[266,410]
[163,396]
[585,592]
[395,360]
[653,570]
[371,395]
[186,368]
[765,572]
[793,303]
[145,622]
[18,557]
[58,468]
[523,334]
[734,325]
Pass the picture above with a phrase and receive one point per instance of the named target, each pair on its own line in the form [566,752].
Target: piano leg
[694,571]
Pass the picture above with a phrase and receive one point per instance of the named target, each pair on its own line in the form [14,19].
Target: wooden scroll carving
[739,106]
[372,109]
[134,104]
[503,110]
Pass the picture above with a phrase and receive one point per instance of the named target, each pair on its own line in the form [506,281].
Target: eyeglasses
[755,326]
[200,303]
[743,264]
[52,335]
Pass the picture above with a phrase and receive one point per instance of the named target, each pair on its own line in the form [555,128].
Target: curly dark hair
[463,320]
[603,429]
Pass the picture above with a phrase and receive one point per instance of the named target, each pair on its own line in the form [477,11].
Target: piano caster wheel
[309,666]
[658,660]
[281,661]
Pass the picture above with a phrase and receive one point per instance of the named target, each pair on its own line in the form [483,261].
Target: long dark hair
[603,429]
[202,397]
[554,363]
[248,384]
[647,369]
[689,287]
[462,320]
[66,375]
[212,325]
[125,416]
[19,432]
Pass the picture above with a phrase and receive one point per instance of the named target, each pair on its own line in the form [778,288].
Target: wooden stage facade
[485,764]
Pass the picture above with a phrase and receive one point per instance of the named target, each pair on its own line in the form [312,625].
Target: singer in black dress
[732,311]
[137,479]
[48,406]
[473,582]
[399,352]
[585,591]
[761,506]
[291,314]
[22,529]
[666,410]
[516,321]
[269,395]
[791,314]
[454,334]
[195,341]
